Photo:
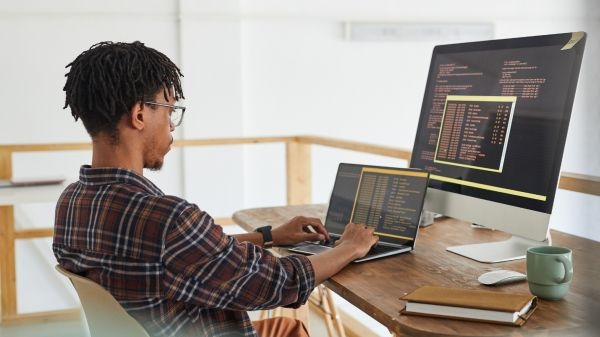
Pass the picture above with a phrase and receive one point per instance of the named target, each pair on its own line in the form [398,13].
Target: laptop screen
[389,199]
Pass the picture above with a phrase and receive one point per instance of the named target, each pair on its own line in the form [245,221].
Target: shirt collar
[111,175]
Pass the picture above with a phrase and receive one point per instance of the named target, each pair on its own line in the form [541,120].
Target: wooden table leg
[322,300]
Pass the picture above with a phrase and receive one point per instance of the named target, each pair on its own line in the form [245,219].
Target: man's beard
[157,164]
[154,166]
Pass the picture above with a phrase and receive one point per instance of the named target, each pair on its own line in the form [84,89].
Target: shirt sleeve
[208,268]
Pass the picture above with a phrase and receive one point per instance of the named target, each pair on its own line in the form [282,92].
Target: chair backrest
[105,316]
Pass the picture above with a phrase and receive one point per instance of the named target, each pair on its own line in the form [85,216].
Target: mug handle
[568,269]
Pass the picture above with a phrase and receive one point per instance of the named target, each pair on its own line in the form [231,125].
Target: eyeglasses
[175,114]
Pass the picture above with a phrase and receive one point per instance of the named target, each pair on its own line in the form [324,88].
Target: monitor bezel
[531,224]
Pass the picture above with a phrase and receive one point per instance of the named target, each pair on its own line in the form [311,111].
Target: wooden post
[5,163]
[299,178]
[8,282]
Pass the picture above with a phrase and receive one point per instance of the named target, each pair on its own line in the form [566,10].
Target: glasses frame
[174,108]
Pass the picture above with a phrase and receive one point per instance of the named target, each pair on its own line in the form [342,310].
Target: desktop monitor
[492,131]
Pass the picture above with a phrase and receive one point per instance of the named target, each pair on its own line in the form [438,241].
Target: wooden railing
[298,175]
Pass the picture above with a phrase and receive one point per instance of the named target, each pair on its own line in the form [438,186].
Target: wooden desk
[376,286]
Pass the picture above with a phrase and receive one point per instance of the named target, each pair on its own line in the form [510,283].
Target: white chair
[105,316]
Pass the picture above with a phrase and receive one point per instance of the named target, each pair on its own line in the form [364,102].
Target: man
[161,257]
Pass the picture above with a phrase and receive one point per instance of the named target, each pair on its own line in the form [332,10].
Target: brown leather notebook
[470,304]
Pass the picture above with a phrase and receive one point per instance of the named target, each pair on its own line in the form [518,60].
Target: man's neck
[106,154]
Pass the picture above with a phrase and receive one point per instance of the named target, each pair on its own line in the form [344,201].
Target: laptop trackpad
[309,248]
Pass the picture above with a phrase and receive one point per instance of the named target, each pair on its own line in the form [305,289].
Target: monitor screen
[494,121]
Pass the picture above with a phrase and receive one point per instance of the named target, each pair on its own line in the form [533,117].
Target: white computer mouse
[502,276]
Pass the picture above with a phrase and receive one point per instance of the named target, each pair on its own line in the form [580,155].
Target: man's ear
[136,115]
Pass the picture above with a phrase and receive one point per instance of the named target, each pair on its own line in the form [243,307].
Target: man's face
[159,137]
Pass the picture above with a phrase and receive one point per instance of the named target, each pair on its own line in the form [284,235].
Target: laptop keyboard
[330,242]
[377,249]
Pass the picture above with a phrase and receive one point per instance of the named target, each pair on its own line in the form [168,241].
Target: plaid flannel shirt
[166,261]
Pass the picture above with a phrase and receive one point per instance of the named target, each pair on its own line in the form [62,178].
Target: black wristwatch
[267,237]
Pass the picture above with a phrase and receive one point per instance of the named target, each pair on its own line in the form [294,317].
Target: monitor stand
[514,248]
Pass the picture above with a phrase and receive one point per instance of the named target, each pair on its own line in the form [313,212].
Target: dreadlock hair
[108,79]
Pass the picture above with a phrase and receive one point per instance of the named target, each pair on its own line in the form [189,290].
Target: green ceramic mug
[549,271]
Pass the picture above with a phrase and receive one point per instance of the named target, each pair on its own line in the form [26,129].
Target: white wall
[39,39]
[261,68]
[211,62]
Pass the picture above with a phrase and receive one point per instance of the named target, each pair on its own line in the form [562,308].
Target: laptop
[35,181]
[389,199]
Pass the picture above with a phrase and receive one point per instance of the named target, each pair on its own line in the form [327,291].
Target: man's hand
[354,243]
[299,229]
[360,237]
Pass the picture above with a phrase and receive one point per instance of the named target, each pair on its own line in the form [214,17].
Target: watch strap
[267,237]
